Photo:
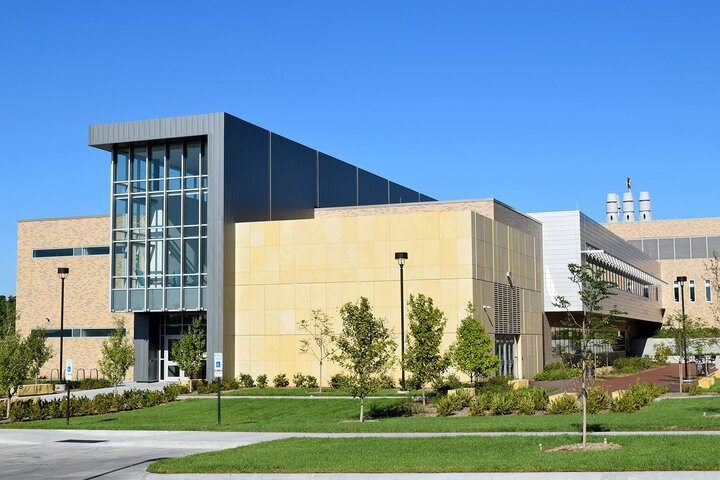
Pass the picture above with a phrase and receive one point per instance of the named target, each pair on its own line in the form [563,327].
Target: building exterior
[682,247]
[572,237]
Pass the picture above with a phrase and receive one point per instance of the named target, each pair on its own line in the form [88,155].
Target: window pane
[121,213]
[692,290]
[204,158]
[138,212]
[192,208]
[174,184]
[121,164]
[121,187]
[137,258]
[138,187]
[155,255]
[708,292]
[192,182]
[156,185]
[175,163]
[192,163]
[203,208]
[139,164]
[157,212]
[157,162]
[174,210]
[191,256]
[203,253]
[173,257]
[120,260]
[96,251]
[173,281]
[119,282]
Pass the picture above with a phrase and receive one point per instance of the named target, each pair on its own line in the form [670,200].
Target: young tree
[118,354]
[365,348]
[190,350]
[19,358]
[422,356]
[713,269]
[7,314]
[593,322]
[319,327]
[472,352]
[687,332]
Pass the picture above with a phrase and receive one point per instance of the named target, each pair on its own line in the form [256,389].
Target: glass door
[172,370]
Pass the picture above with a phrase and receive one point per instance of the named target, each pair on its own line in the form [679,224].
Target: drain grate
[77,440]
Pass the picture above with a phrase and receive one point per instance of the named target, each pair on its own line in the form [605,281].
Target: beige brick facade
[284,269]
[694,268]
[86,288]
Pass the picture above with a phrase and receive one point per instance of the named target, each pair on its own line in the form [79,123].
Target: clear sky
[543,105]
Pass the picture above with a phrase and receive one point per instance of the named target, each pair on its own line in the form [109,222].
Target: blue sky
[543,105]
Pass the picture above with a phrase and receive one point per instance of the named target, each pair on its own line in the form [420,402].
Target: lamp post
[63,272]
[401,257]
[681,281]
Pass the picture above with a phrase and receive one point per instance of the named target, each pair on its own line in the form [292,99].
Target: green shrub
[461,398]
[501,404]
[630,365]
[299,380]
[445,406]
[281,380]
[598,400]
[231,384]
[527,405]
[538,396]
[557,371]
[692,389]
[636,397]
[90,384]
[246,380]
[338,381]
[481,404]
[386,382]
[662,352]
[261,381]
[311,382]
[442,384]
[411,383]
[496,384]
[564,404]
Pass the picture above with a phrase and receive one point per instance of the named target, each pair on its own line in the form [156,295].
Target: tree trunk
[584,378]
[423,391]
[7,404]
[362,405]
[320,382]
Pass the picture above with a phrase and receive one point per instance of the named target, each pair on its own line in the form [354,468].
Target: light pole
[681,281]
[63,272]
[401,257]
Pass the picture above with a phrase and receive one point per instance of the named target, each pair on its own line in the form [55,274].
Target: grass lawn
[326,415]
[306,392]
[451,454]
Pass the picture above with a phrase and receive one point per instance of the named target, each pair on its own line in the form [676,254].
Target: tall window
[676,291]
[159,226]
[708,291]
[692,290]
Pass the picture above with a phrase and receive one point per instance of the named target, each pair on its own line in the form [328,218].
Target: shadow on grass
[403,409]
[591,427]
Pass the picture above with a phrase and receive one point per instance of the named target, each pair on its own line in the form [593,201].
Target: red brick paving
[666,375]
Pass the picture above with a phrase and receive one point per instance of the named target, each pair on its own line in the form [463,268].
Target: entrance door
[172,370]
[505,350]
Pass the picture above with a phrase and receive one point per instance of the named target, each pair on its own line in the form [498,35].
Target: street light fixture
[401,257]
[63,273]
[681,281]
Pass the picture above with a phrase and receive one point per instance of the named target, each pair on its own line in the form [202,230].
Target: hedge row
[100,404]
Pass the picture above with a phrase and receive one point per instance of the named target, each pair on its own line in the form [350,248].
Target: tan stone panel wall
[284,269]
[484,207]
[666,228]
[86,288]
[693,269]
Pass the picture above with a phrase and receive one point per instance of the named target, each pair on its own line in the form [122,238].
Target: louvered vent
[507,309]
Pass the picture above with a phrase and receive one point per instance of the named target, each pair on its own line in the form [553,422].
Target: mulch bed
[589,447]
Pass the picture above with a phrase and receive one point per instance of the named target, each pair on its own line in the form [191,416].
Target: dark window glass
[204,158]
[96,251]
[676,291]
[203,207]
[120,260]
[137,258]
[138,212]
[55,332]
[191,256]
[53,252]
[174,184]
[138,187]
[97,332]
[121,164]
[121,213]
[157,162]
[175,164]
[708,291]
[174,207]
[155,257]
[692,290]
[121,188]
[192,208]
[173,257]
[203,255]
[139,164]
[157,211]
[192,162]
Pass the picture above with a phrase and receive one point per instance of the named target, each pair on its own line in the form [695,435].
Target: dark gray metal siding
[337,182]
[372,189]
[400,194]
[293,179]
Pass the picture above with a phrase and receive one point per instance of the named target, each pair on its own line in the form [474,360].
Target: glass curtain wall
[159,226]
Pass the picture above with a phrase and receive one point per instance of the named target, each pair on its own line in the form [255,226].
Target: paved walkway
[114,454]
[666,375]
